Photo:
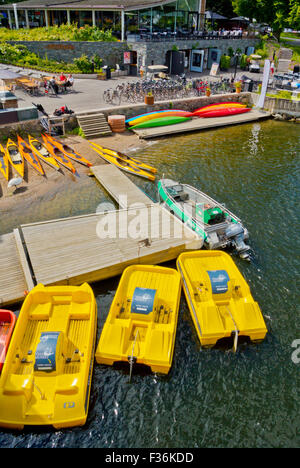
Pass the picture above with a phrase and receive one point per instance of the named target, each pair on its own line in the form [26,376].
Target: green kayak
[161,121]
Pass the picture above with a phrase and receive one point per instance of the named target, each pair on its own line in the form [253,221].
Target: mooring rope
[236,331]
[131,360]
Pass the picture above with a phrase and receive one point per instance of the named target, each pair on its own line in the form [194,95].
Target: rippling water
[211,398]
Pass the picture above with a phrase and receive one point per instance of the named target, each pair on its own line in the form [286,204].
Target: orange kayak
[14,156]
[29,155]
[58,155]
[7,323]
[4,168]
[69,152]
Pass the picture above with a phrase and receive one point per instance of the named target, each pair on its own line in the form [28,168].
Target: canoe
[28,154]
[14,156]
[69,152]
[142,321]
[46,378]
[149,114]
[7,324]
[223,112]
[124,165]
[158,114]
[58,155]
[219,298]
[133,161]
[161,122]
[4,167]
[212,221]
[221,105]
[41,151]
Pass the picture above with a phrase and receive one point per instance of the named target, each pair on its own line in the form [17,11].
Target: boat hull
[4,163]
[28,154]
[156,115]
[69,152]
[124,165]
[161,122]
[34,143]
[7,324]
[223,112]
[133,161]
[219,298]
[221,105]
[60,157]
[46,378]
[142,320]
[14,156]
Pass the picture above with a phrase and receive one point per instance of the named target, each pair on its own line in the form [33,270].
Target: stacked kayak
[15,157]
[142,321]
[133,161]
[46,378]
[156,115]
[7,324]
[30,156]
[161,122]
[4,168]
[123,164]
[222,109]
[219,299]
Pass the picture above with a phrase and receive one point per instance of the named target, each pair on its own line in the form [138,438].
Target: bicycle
[112,96]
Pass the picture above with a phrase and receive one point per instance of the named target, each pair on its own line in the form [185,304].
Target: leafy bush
[65,32]
[19,55]
[225,62]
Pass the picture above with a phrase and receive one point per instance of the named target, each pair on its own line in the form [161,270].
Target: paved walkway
[88,93]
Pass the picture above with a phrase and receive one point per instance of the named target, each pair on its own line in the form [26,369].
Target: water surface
[211,398]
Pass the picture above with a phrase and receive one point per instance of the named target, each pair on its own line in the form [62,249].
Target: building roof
[126,5]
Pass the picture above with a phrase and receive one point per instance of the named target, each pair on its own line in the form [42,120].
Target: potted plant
[149,99]
[238,86]
[207,91]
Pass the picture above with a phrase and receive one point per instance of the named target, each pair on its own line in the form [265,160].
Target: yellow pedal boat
[219,298]
[142,321]
[47,374]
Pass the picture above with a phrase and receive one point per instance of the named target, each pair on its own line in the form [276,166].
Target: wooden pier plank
[117,184]
[197,124]
[12,279]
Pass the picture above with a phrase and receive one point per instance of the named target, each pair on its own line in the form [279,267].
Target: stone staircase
[93,124]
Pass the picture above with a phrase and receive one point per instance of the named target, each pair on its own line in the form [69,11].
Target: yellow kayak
[133,161]
[124,165]
[142,321]
[4,168]
[47,374]
[15,157]
[219,298]
[41,151]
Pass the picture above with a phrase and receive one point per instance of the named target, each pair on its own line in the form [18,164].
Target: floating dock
[92,247]
[197,124]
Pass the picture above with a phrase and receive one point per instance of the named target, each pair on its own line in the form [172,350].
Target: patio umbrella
[214,16]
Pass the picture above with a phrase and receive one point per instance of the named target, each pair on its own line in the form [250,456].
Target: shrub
[225,62]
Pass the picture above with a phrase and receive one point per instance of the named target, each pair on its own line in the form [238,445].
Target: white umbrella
[15,182]
[157,67]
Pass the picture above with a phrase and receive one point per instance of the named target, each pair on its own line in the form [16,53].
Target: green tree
[294,17]
[276,13]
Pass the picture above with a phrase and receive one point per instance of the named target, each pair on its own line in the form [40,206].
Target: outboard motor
[236,234]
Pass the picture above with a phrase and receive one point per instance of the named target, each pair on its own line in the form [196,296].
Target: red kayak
[7,323]
[224,112]
[219,105]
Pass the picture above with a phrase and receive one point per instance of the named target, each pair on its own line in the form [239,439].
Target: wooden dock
[92,247]
[197,124]
[117,185]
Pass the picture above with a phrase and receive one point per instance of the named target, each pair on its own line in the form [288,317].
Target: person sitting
[62,78]
[69,82]
[53,84]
